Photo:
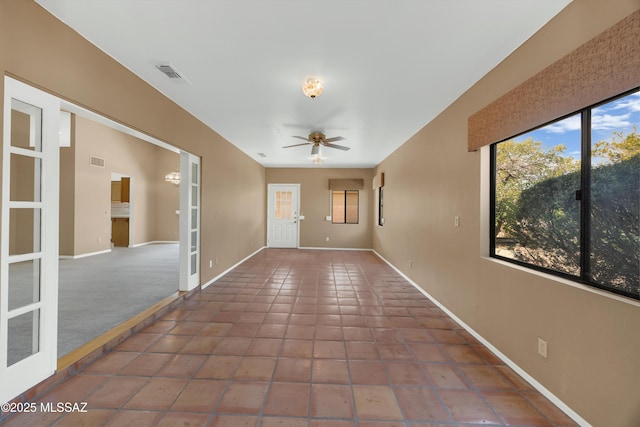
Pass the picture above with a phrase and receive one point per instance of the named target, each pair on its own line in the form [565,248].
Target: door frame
[190,187]
[297,211]
[31,370]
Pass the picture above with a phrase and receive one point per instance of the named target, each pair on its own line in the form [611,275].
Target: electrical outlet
[542,347]
[210,263]
[456,221]
[327,238]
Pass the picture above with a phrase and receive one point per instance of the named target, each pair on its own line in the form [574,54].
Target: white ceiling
[388,66]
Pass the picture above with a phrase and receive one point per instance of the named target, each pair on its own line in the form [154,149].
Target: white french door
[189,221]
[282,221]
[29,231]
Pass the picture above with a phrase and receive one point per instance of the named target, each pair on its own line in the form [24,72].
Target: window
[344,207]
[566,197]
[380,207]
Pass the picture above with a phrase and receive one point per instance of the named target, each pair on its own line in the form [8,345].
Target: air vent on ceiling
[96,161]
[169,71]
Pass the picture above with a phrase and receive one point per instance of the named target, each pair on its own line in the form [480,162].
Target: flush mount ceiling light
[312,87]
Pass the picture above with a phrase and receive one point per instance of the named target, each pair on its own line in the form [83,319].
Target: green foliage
[536,208]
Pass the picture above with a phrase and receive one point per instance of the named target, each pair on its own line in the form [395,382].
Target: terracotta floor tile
[376,402]
[146,364]
[405,373]
[467,407]
[485,377]
[422,404]
[368,372]
[284,422]
[169,344]
[288,399]
[199,396]
[243,398]
[331,401]
[462,354]
[265,347]
[329,350]
[157,394]
[329,333]
[301,338]
[173,419]
[234,421]
[362,351]
[255,369]
[115,392]
[444,376]
[201,345]
[138,342]
[93,417]
[297,348]
[427,352]
[550,411]
[135,418]
[111,363]
[515,409]
[182,365]
[293,370]
[236,346]
[357,333]
[330,371]
[394,351]
[300,332]
[219,367]
[271,331]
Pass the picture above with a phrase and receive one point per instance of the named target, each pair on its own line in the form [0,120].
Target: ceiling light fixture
[173,177]
[312,88]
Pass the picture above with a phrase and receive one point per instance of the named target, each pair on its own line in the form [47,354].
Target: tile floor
[295,338]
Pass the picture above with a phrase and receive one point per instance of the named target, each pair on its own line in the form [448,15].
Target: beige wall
[52,57]
[594,340]
[154,200]
[315,205]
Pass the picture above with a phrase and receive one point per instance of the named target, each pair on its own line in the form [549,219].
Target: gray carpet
[99,292]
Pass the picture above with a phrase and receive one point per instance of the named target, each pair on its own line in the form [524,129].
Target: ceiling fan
[317,139]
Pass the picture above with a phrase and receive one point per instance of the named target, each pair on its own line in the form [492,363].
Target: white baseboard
[153,242]
[334,249]
[534,383]
[106,251]
[231,268]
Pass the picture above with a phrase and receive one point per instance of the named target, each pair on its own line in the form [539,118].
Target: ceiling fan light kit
[312,88]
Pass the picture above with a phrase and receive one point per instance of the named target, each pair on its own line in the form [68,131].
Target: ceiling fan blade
[334,139]
[296,145]
[300,137]
[315,149]
[339,147]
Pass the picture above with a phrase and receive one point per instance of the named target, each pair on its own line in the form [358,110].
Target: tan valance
[378,181]
[605,66]
[346,184]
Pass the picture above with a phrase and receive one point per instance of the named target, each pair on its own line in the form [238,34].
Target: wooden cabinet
[120,232]
[120,190]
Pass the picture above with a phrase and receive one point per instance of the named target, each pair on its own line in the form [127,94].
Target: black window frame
[357,192]
[380,207]
[583,196]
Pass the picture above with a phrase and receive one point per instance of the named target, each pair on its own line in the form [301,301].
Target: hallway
[297,338]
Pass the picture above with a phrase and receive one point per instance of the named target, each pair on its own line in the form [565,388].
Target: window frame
[357,192]
[584,276]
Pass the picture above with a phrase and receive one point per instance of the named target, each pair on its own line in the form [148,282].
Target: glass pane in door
[24,231]
[26,126]
[23,336]
[24,283]
[25,178]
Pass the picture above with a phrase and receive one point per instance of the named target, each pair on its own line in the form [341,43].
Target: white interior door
[189,221]
[29,231]
[282,221]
